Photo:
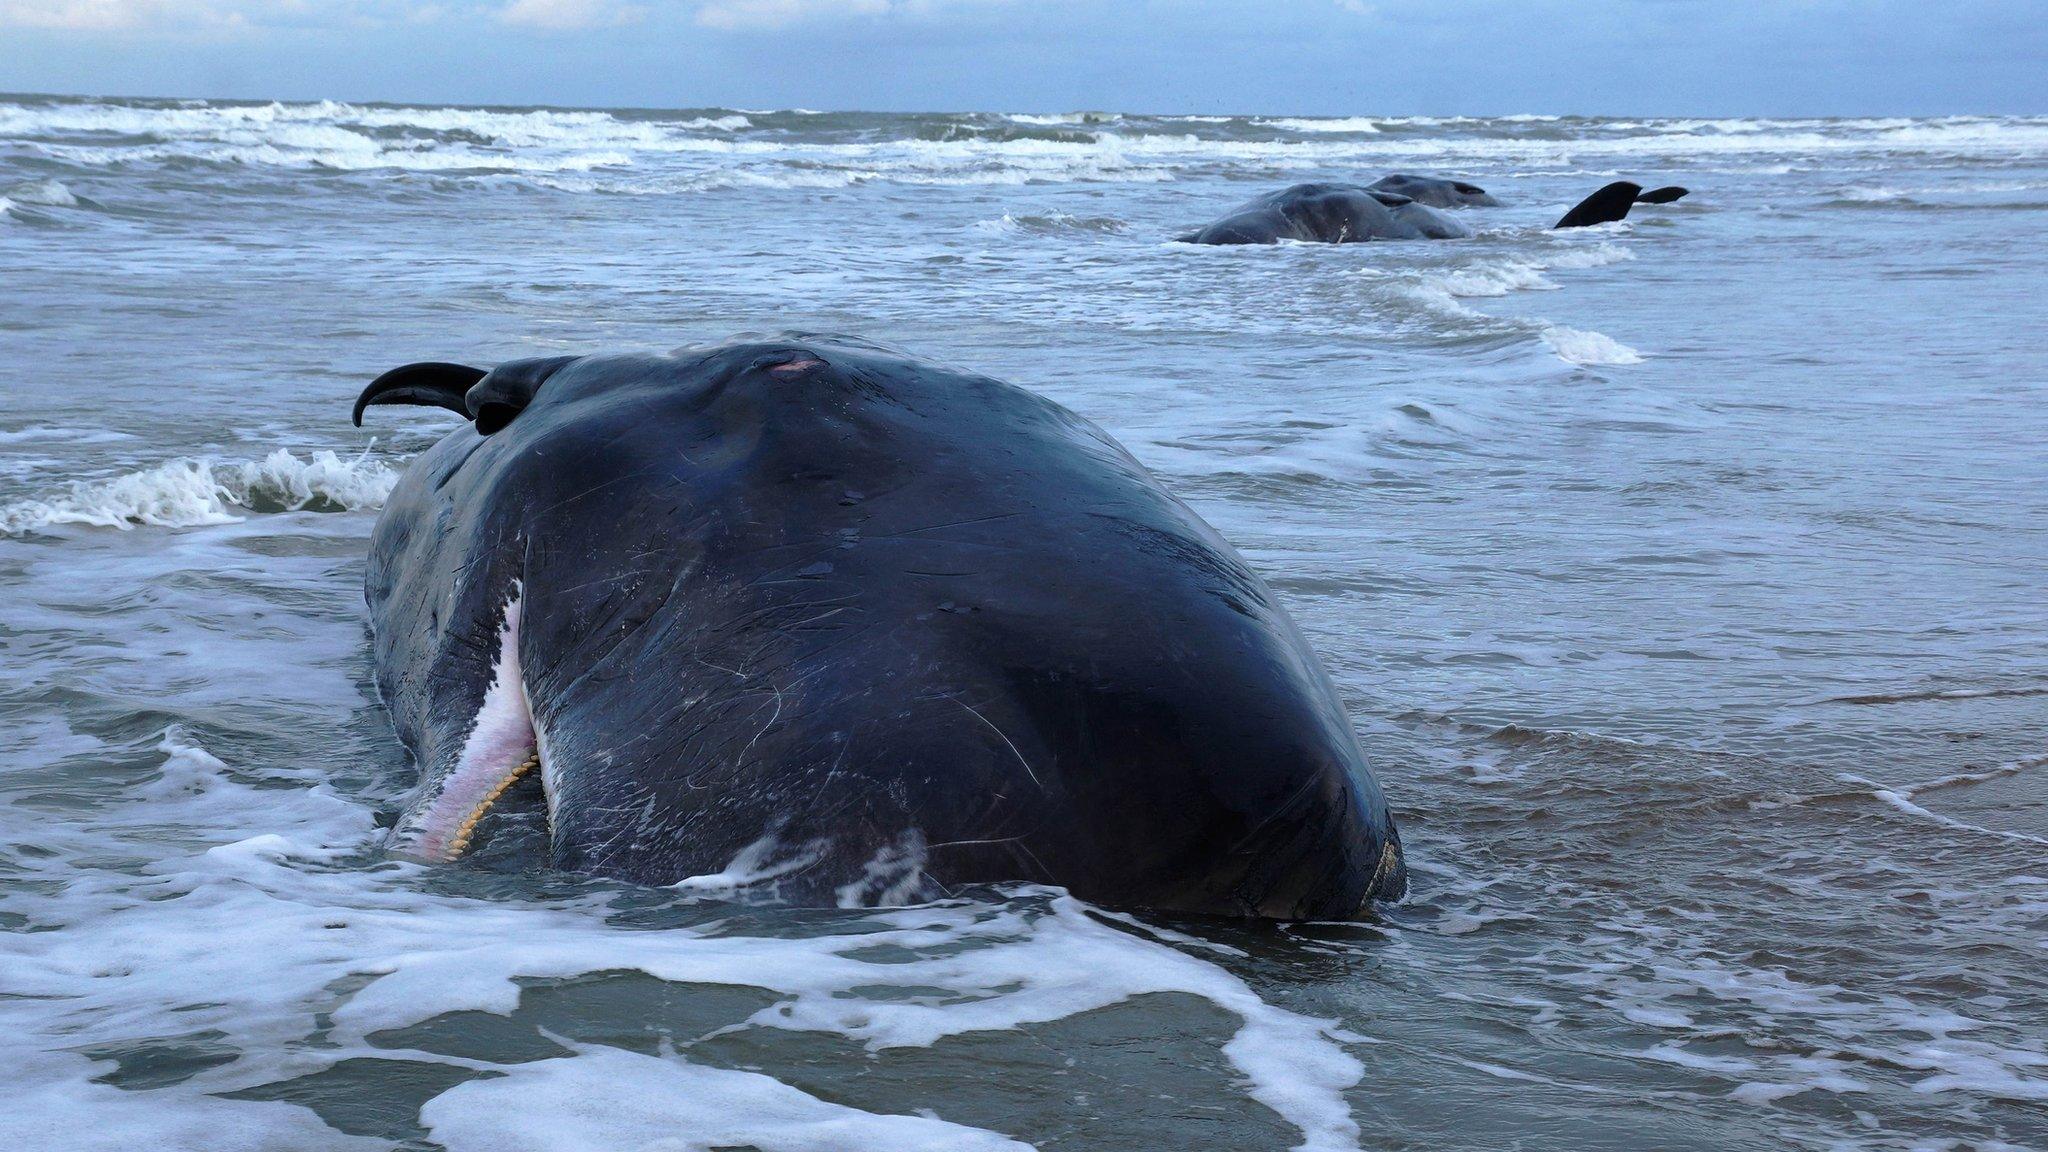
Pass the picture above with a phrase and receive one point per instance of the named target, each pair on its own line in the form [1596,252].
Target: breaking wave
[191,491]
[1577,346]
[672,151]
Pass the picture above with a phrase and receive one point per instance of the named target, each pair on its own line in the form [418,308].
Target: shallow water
[1683,577]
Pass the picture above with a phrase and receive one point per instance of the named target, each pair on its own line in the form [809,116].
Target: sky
[1307,57]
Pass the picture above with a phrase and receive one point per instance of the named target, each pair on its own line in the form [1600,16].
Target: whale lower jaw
[502,747]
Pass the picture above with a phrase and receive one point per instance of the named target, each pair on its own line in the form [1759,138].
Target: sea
[1685,578]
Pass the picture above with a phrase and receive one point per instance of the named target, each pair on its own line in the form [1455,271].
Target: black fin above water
[432,383]
[1664,195]
[1608,204]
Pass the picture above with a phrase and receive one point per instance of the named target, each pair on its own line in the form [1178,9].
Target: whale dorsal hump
[496,399]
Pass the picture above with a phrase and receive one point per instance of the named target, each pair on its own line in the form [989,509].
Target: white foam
[891,878]
[1902,800]
[759,864]
[36,432]
[716,123]
[1495,279]
[190,491]
[1050,224]
[1578,346]
[1594,256]
[605,1099]
[252,915]
[1351,124]
[54,1106]
[1059,118]
[683,153]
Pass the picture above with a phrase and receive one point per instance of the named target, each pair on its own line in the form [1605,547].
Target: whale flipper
[1608,204]
[1663,195]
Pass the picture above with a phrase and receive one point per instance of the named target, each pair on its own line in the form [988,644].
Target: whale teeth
[463,834]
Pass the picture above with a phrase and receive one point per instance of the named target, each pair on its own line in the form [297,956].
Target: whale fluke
[1663,195]
[1608,204]
[431,382]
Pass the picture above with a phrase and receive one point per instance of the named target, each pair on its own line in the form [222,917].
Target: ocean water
[1684,578]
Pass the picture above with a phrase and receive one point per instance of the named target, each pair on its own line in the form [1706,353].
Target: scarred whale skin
[809,609]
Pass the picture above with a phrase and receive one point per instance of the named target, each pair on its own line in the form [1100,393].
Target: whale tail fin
[1663,195]
[1608,204]
[432,383]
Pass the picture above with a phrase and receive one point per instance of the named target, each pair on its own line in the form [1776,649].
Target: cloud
[209,16]
[553,15]
[731,15]
[116,15]
[563,15]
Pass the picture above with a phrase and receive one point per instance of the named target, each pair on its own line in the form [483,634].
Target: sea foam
[190,491]
[1578,346]
[246,932]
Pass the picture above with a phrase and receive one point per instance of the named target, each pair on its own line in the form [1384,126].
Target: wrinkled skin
[1435,191]
[1328,214]
[811,607]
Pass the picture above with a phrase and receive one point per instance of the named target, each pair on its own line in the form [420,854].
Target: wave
[1912,697]
[1053,223]
[1440,294]
[191,491]
[1491,279]
[41,432]
[348,137]
[1358,125]
[1065,118]
[48,193]
[1578,346]
[717,123]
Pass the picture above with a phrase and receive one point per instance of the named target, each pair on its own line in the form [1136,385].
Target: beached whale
[1329,214]
[1393,208]
[809,611]
[1435,191]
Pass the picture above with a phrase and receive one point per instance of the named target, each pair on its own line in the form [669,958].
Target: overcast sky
[1341,57]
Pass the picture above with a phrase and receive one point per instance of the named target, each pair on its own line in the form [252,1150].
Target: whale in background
[1328,214]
